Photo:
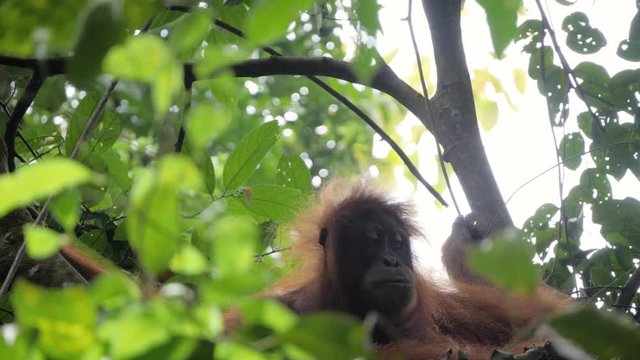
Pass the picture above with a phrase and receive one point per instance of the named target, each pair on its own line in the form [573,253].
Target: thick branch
[455,122]
[384,80]
[628,292]
[54,271]
[28,95]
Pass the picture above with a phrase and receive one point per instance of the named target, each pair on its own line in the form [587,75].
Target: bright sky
[520,146]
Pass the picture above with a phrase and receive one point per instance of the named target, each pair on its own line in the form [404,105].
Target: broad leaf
[206,122]
[136,332]
[367,12]
[114,290]
[153,224]
[277,203]
[244,159]
[188,261]
[42,242]
[507,251]
[501,17]
[269,19]
[293,173]
[65,319]
[102,26]
[189,33]
[65,208]
[600,333]
[26,184]
[149,59]
[581,37]
[571,150]
[329,336]
[234,244]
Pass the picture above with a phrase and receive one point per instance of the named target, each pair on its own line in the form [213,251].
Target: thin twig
[563,215]
[537,176]
[351,106]
[273,251]
[427,100]
[93,120]
[571,76]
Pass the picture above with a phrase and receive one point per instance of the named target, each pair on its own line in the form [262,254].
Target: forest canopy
[165,145]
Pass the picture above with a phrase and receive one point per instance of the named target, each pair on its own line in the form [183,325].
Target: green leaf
[537,62]
[189,32]
[571,150]
[205,166]
[507,251]
[115,290]
[293,173]
[329,336]
[269,19]
[26,184]
[244,159]
[103,136]
[619,218]
[235,350]
[278,203]
[595,82]
[48,26]
[487,112]
[216,57]
[136,331]
[102,26]
[530,29]
[365,62]
[270,314]
[501,17]
[65,208]
[204,123]
[51,95]
[586,124]
[189,261]
[138,12]
[600,333]
[42,242]
[616,151]
[595,186]
[153,224]
[149,59]
[581,37]
[554,86]
[118,170]
[537,228]
[367,12]
[520,80]
[629,50]
[234,244]
[65,319]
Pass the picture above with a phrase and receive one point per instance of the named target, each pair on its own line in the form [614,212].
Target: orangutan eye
[371,233]
[397,242]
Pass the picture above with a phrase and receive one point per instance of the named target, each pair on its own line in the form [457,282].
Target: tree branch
[385,80]
[628,292]
[29,93]
[455,121]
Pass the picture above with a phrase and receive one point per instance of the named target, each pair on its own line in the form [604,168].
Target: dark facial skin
[374,262]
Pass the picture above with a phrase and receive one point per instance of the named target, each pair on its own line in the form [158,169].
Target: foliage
[191,177]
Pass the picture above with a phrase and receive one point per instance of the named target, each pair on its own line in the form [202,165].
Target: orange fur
[463,315]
